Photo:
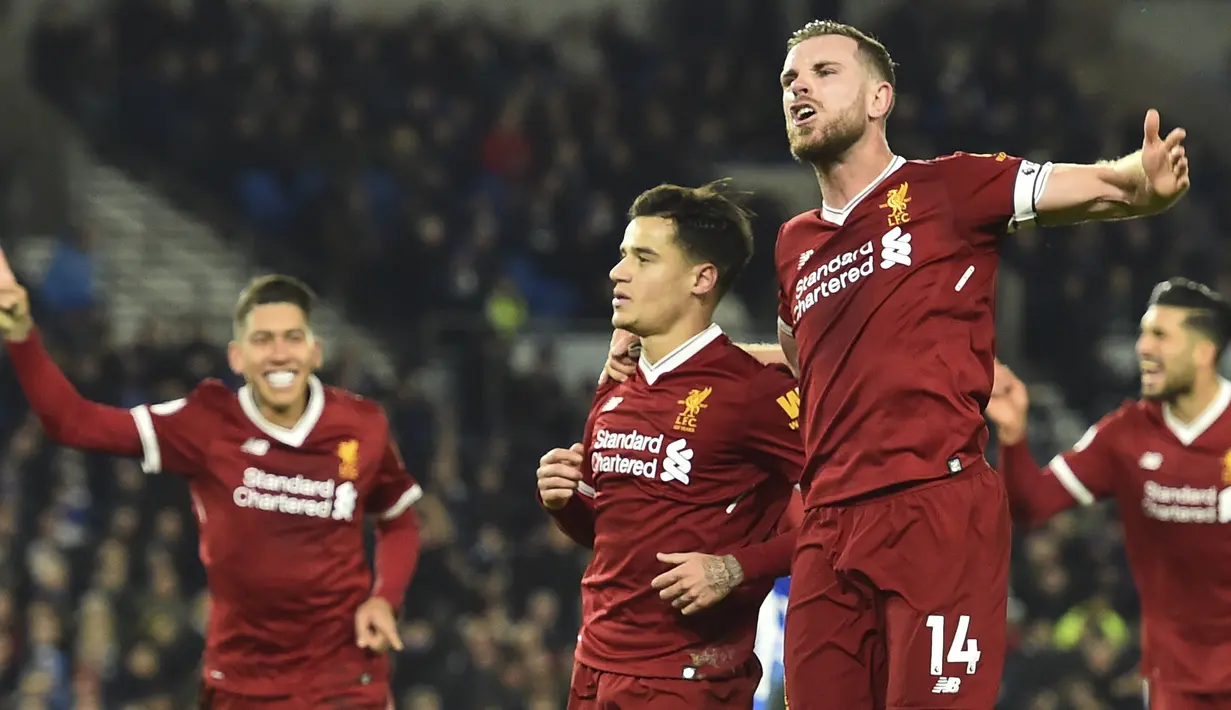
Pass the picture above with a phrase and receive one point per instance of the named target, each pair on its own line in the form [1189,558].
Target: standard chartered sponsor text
[292,495]
[833,276]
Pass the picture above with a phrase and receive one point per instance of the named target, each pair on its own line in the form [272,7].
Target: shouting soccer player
[698,451]
[1166,459]
[282,475]
[886,304]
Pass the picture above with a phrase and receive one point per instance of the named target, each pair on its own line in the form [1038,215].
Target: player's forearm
[768,560]
[575,519]
[397,556]
[1034,496]
[1107,190]
[66,416]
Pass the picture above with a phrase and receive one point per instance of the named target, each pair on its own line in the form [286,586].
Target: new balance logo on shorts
[895,248]
[947,686]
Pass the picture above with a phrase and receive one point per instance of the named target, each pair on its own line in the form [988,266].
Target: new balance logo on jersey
[1150,461]
[255,447]
[947,686]
[803,258]
[611,404]
[296,495]
[895,248]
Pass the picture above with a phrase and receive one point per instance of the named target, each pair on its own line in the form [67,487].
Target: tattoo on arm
[723,574]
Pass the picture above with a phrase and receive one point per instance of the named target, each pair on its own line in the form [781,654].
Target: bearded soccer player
[685,478]
[886,301]
[282,475]
[1166,459]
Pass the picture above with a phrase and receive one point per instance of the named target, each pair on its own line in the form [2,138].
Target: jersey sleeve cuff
[785,327]
[151,453]
[407,499]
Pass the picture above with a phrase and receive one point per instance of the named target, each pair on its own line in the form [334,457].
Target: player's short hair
[711,224]
[871,51]
[1208,313]
[273,288]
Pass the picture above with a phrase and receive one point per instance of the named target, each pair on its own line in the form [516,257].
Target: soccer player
[698,451]
[1166,459]
[886,305]
[282,475]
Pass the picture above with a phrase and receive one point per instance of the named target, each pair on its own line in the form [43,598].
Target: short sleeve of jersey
[772,416]
[1087,471]
[786,321]
[174,434]
[395,490]
[993,194]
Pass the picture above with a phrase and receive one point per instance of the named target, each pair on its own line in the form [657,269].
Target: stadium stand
[449,182]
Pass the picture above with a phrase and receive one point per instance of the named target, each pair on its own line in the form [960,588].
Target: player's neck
[285,417]
[1187,407]
[843,179]
[656,347]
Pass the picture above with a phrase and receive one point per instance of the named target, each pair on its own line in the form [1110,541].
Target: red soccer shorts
[1159,698]
[597,690]
[899,601]
[366,698]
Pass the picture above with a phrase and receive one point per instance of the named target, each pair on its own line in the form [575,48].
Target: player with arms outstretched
[886,302]
[282,475]
[684,481]
[1166,460]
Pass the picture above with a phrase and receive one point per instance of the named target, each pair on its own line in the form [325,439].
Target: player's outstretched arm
[1147,182]
[1036,494]
[66,416]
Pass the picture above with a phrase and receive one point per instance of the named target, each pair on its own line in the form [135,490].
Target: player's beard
[818,145]
[1173,388]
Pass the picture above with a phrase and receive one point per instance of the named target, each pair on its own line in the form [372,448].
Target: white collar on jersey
[1188,433]
[679,356]
[839,216]
[296,435]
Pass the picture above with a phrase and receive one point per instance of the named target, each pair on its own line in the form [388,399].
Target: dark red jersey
[280,512]
[697,453]
[891,302]
[1172,482]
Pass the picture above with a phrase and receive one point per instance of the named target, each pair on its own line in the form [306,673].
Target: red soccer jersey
[699,452]
[281,519]
[891,302]
[1173,485]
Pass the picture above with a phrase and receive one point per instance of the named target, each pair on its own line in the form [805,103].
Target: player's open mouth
[280,379]
[1151,373]
[618,299]
[802,113]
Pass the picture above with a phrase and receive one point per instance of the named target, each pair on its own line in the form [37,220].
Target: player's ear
[705,279]
[880,100]
[318,353]
[235,358]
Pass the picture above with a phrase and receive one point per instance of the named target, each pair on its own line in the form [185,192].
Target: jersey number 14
[963,649]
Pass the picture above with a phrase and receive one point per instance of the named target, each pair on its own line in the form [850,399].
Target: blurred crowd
[459,171]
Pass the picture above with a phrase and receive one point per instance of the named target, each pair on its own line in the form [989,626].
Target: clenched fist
[559,474]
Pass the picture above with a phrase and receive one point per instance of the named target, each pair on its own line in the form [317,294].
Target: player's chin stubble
[825,144]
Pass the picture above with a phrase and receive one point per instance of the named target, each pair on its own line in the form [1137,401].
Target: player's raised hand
[622,357]
[1008,405]
[376,626]
[559,474]
[697,581]
[15,321]
[1164,160]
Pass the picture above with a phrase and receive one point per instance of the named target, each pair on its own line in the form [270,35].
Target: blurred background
[451,177]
